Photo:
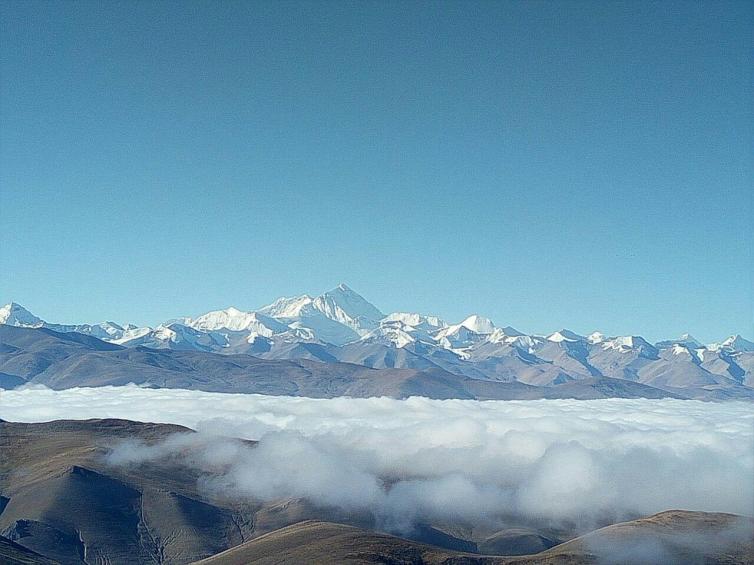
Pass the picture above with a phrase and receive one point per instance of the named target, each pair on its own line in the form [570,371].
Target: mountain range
[341,326]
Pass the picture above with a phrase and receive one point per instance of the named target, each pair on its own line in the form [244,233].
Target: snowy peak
[479,324]
[418,321]
[689,341]
[595,337]
[342,316]
[565,335]
[287,307]
[686,340]
[511,331]
[348,307]
[504,335]
[628,342]
[395,334]
[473,329]
[236,320]
[734,343]
[14,314]
[737,343]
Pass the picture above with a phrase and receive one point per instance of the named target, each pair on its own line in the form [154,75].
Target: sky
[547,164]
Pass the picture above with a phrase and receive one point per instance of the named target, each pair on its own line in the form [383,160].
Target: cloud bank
[440,460]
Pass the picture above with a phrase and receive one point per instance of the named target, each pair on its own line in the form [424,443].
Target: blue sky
[577,164]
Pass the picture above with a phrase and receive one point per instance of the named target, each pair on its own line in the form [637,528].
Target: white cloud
[445,460]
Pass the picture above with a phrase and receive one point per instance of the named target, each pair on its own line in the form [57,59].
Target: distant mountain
[16,315]
[67,360]
[733,343]
[341,325]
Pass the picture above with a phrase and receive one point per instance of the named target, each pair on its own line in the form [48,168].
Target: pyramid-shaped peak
[345,305]
[689,340]
[565,335]
[14,314]
[738,343]
[478,324]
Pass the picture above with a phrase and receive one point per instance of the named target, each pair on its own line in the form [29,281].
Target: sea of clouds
[444,460]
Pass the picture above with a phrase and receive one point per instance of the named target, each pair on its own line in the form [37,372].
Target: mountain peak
[348,307]
[13,314]
[478,324]
[234,319]
[596,337]
[738,343]
[565,335]
[287,307]
[688,340]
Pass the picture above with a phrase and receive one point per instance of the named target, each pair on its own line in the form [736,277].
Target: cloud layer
[444,460]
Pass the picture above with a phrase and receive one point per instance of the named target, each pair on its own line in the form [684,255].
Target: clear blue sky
[548,164]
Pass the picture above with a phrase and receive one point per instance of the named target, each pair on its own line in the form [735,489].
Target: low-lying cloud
[440,460]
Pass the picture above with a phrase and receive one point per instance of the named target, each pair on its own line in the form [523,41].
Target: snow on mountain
[341,316]
[338,316]
[478,324]
[686,340]
[565,335]
[174,336]
[526,342]
[392,333]
[470,331]
[130,335]
[346,327]
[511,336]
[734,343]
[504,335]
[236,320]
[287,307]
[595,337]
[343,305]
[110,329]
[626,342]
[678,349]
[427,323]
[16,315]
[400,329]
[330,331]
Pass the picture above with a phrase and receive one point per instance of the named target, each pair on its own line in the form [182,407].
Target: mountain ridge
[341,325]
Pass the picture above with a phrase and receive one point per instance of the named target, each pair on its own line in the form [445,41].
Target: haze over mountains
[340,326]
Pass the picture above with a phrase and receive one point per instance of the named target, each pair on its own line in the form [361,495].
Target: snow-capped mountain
[342,325]
[338,316]
[13,314]
[733,343]
[686,340]
[16,315]
[472,330]
[343,305]
[235,320]
[565,335]
[425,323]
